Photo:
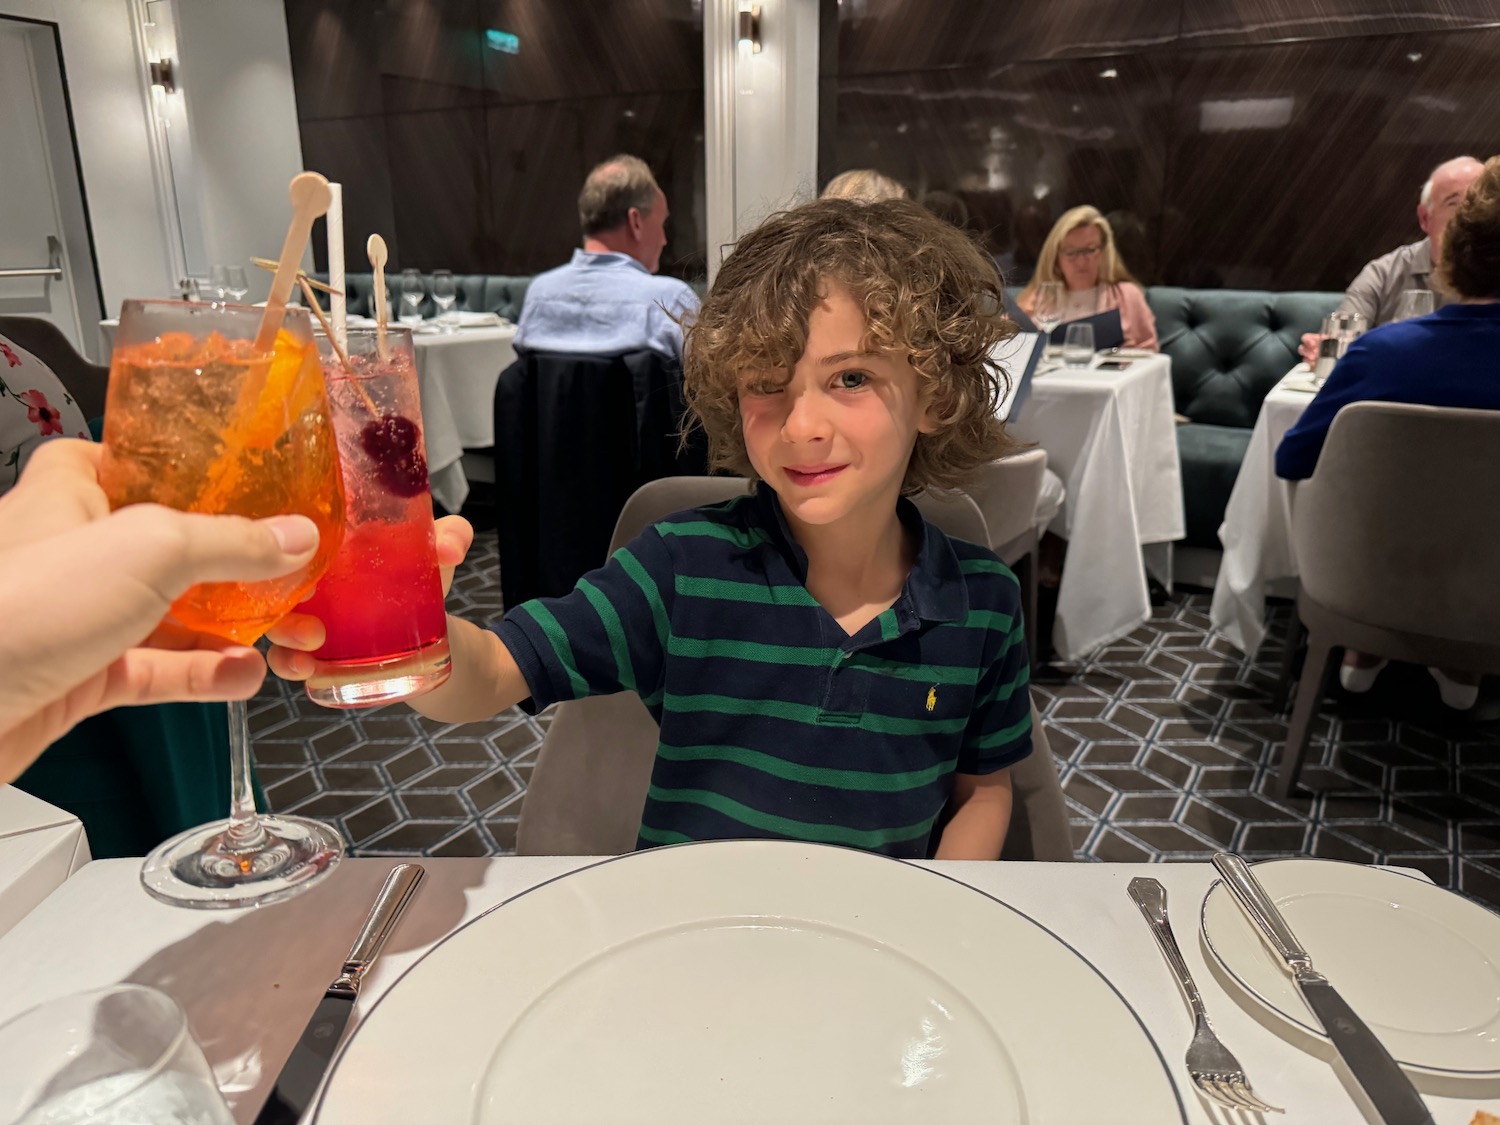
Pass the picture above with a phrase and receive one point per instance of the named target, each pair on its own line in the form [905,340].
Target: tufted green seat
[1229,347]
[477,292]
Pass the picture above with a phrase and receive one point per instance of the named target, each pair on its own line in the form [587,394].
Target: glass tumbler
[1078,345]
[1338,332]
[116,1056]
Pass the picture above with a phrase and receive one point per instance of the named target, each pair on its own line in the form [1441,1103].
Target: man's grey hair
[1426,195]
[611,190]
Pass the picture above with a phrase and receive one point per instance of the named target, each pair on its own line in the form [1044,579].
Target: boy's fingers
[455,535]
[298,631]
[290,664]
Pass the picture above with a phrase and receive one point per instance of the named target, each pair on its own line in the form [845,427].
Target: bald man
[1375,293]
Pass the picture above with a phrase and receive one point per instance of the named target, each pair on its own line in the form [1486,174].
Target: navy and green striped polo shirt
[775,723]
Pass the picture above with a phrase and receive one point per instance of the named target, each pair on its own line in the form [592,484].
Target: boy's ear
[928,422]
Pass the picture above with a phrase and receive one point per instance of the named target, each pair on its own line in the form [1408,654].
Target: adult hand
[1309,349]
[84,595]
[298,634]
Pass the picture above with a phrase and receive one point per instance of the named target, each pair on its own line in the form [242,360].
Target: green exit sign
[503,41]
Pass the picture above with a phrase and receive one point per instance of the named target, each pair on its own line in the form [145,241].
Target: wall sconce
[163,74]
[749,28]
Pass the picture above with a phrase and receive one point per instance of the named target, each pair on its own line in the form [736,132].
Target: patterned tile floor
[1164,743]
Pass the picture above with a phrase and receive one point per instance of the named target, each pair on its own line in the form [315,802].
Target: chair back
[657,499]
[575,436]
[589,786]
[1006,491]
[85,382]
[1396,527]
[955,514]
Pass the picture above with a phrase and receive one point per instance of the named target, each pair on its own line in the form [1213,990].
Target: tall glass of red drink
[381,600]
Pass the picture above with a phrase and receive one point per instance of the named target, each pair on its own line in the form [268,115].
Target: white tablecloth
[1112,437]
[458,373]
[1257,528]
[249,980]
[40,846]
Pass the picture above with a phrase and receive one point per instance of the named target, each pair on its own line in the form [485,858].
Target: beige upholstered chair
[1398,547]
[1006,492]
[589,785]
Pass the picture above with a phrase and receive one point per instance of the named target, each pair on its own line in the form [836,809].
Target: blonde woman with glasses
[1080,253]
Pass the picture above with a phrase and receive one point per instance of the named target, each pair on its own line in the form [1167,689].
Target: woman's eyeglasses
[1082,252]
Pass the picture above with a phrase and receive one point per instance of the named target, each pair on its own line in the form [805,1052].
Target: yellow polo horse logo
[932,697]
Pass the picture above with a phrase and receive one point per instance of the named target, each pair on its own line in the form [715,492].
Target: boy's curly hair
[927,289]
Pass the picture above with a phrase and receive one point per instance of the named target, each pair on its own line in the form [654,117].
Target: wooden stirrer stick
[310,198]
[317,311]
[375,248]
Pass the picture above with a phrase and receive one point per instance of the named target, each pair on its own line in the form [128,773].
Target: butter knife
[1392,1096]
[299,1078]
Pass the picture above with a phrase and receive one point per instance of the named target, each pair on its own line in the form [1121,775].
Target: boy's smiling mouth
[813,474]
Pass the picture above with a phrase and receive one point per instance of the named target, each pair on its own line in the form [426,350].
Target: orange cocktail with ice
[200,421]
[381,600]
[222,410]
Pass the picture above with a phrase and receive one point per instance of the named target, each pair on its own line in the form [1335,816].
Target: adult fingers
[290,664]
[171,551]
[58,491]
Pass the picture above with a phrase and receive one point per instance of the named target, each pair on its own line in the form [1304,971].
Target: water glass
[1414,302]
[412,292]
[218,278]
[238,284]
[115,1056]
[1338,332]
[445,296]
[1078,345]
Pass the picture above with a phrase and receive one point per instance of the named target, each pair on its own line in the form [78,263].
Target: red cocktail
[381,600]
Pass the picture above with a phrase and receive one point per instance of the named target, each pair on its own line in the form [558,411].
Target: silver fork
[1212,1068]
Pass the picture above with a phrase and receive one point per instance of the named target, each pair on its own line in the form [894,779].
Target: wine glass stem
[245,833]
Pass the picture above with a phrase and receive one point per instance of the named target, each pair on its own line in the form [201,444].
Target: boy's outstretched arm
[485,678]
[980,818]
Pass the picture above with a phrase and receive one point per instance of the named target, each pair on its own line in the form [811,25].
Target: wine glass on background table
[237,285]
[1047,313]
[218,280]
[445,296]
[412,291]
[201,419]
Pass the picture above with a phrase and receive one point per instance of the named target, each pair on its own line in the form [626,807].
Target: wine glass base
[196,870]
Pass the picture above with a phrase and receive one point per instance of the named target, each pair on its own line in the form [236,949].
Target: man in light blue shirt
[607,300]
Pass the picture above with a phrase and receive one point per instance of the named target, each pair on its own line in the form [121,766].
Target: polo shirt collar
[1420,262]
[935,589]
[589,259]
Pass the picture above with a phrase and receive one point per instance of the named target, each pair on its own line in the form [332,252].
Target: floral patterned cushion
[33,407]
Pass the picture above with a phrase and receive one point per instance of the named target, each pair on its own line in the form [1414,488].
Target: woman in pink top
[1080,252]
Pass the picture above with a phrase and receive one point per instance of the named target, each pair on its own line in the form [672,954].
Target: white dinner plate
[751,981]
[1420,964]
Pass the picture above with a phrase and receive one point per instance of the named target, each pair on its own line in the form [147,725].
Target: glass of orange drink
[201,419]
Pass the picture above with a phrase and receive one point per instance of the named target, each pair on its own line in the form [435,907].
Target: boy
[825,665]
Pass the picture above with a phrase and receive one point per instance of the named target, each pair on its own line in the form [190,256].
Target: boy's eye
[760,388]
[850,380]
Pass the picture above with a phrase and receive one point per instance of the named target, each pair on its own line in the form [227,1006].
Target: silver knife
[1391,1094]
[299,1078]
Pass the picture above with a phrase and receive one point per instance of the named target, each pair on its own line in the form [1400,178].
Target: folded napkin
[465,319]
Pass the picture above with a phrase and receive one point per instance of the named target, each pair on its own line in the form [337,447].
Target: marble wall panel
[1270,143]
[470,157]
[1226,22]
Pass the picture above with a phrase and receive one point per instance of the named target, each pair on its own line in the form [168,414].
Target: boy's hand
[298,634]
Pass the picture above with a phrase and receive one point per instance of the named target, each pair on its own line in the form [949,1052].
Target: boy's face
[835,441]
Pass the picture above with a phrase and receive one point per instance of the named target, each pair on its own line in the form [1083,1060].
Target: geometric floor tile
[1165,742]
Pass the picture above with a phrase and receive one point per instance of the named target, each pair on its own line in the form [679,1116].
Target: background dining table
[248,980]
[1257,530]
[1112,437]
[457,373]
